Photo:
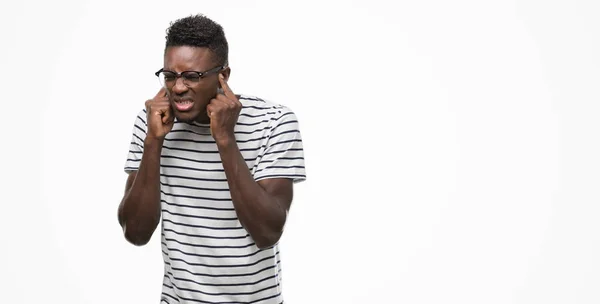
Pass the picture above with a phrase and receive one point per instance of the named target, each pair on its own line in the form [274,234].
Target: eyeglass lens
[168,79]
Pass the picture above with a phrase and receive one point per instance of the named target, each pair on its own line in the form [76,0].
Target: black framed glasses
[168,78]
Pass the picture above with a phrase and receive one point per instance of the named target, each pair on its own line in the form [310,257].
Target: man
[218,167]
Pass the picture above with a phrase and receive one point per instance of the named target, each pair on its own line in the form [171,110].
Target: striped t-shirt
[208,256]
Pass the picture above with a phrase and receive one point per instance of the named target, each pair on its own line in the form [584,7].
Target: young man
[218,167]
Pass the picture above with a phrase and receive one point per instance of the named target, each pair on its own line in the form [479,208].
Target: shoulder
[253,106]
[140,119]
[142,114]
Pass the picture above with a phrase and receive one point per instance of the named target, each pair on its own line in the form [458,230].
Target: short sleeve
[283,156]
[136,147]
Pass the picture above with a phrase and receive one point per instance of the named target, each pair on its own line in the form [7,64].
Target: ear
[226,72]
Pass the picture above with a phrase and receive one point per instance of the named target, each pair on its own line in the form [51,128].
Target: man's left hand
[223,112]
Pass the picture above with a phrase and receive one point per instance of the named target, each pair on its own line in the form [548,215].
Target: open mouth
[183,105]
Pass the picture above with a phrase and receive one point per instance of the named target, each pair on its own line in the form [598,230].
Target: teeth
[184,102]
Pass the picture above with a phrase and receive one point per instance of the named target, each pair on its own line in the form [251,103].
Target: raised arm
[262,206]
[139,210]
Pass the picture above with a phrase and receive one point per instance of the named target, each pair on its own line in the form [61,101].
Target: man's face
[189,102]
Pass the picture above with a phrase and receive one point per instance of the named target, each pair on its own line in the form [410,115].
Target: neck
[203,119]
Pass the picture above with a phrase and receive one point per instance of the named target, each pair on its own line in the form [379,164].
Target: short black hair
[199,31]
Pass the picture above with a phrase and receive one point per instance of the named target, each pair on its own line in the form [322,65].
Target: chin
[187,116]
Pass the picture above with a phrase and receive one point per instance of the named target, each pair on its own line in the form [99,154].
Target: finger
[231,101]
[210,108]
[161,93]
[219,104]
[168,115]
[217,107]
[219,101]
[225,100]
[226,89]
[171,120]
[158,106]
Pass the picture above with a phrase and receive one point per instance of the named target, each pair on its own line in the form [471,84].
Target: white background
[452,147]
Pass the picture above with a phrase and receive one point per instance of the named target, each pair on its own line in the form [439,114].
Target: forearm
[140,208]
[259,212]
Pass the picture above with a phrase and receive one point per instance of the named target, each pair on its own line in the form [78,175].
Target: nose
[179,86]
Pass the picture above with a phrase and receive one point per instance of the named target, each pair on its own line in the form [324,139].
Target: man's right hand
[159,115]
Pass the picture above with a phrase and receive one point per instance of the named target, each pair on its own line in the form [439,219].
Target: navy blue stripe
[139,128]
[191,150]
[211,256]
[253,98]
[204,236]
[170,296]
[222,275]
[211,141]
[208,246]
[169,249]
[139,138]
[209,237]
[285,142]
[191,131]
[193,188]
[192,168]
[284,123]
[228,285]
[211,151]
[200,216]
[195,178]
[250,140]
[253,131]
[255,123]
[220,266]
[258,108]
[197,197]
[225,294]
[197,207]
[284,132]
[284,115]
[293,176]
[284,167]
[202,161]
[205,227]
[236,302]
[266,298]
[165,285]
[189,140]
[279,167]
[281,158]
[142,120]
[279,151]
[258,115]
[175,292]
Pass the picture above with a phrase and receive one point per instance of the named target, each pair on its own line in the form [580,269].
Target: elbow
[267,240]
[138,237]
[138,230]
[266,233]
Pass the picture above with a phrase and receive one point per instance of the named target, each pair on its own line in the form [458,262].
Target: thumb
[167,116]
